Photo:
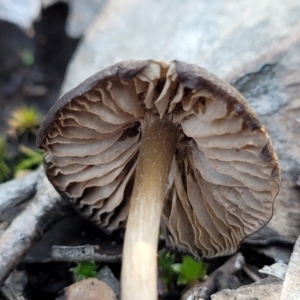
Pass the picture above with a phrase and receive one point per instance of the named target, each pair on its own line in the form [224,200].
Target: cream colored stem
[139,263]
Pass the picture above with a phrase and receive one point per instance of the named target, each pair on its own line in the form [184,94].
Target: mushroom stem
[139,263]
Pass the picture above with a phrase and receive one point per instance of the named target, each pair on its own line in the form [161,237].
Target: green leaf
[176,268]
[31,160]
[185,272]
[191,270]
[84,270]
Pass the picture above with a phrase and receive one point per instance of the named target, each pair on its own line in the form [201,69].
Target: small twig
[251,274]
[206,288]
[277,270]
[34,90]
[18,190]
[291,287]
[27,227]
[82,253]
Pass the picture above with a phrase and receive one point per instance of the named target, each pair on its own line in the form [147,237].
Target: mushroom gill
[224,173]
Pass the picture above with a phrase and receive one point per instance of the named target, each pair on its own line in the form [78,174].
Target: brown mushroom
[165,142]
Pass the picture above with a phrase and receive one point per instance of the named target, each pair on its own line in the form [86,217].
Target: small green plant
[189,270]
[25,119]
[31,159]
[166,260]
[84,270]
[5,171]
[180,273]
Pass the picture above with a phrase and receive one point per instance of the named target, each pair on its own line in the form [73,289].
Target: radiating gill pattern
[224,175]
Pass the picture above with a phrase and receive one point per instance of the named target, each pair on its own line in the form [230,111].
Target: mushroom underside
[224,174]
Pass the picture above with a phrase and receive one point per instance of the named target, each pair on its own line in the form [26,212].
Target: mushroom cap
[224,175]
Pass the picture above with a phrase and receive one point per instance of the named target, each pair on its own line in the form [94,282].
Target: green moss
[25,119]
[190,270]
[180,273]
[5,172]
[166,260]
[84,270]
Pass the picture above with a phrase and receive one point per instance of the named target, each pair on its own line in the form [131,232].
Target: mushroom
[144,142]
